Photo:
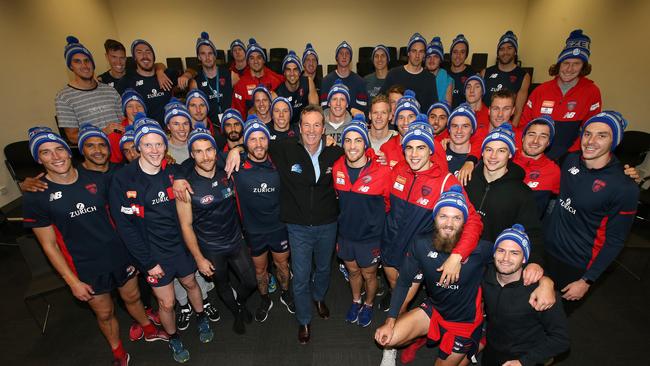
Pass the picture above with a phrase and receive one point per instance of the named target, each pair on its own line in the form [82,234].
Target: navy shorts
[366,254]
[466,346]
[178,266]
[276,241]
[392,255]
[109,281]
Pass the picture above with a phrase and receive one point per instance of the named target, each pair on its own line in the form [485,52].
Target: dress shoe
[322,309]
[304,333]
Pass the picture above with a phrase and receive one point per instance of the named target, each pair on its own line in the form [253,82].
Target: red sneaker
[135,332]
[123,361]
[159,335]
[153,316]
[408,353]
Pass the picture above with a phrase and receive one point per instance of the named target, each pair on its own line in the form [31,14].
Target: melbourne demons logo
[598,185]
[426,190]
[534,174]
[92,188]
[513,78]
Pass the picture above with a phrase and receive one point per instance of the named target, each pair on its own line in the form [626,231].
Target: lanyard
[212,90]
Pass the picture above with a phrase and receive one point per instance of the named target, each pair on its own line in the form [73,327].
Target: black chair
[365,54]
[221,57]
[175,63]
[277,54]
[365,68]
[319,71]
[45,280]
[479,61]
[392,52]
[192,63]
[529,71]
[130,64]
[331,68]
[19,161]
[275,65]
[230,58]
[633,148]
[403,55]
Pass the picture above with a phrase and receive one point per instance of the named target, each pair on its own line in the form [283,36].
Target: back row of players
[386,201]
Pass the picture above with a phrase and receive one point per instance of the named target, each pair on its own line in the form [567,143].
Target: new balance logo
[573,170]
[55,196]
[494,76]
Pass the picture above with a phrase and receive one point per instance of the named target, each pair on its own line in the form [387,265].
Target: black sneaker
[385,302]
[287,300]
[381,287]
[262,311]
[212,312]
[184,317]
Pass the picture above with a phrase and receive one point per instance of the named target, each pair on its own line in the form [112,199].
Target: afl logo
[207,199]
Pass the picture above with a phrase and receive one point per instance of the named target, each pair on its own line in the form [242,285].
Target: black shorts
[109,281]
[366,254]
[178,266]
[467,346]
[276,241]
[391,256]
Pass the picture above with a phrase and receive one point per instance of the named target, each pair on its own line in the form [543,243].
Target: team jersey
[569,111]
[155,98]
[292,132]
[364,200]
[455,160]
[395,153]
[219,92]
[457,302]
[496,80]
[356,85]
[593,215]
[78,212]
[299,98]
[109,80]
[258,196]
[542,176]
[242,96]
[458,93]
[107,175]
[422,83]
[214,212]
[234,69]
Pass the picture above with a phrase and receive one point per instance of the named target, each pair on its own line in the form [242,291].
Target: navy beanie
[453,197]
[459,39]
[73,47]
[545,119]
[86,131]
[204,40]
[142,41]
[577,46]
[253,46]
[504,134]
[516,233]
[40,135]
[309,50]
[253,124]
[614,120]
[508,37]
[200,132]
[358,125]
[435,47]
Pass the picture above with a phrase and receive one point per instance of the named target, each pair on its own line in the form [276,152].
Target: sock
[149,329]
[119,352]
[366,304]
[357,301]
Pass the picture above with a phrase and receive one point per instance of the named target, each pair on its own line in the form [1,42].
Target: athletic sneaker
[273,283]
[365,315]
[159,335]
[135,332]
[124,361]
[184,317]
[353,313]
[153,315]
[343,270]
[211,311]
[179,353]
[262,311]
[385,302]
[205,333]
[381,287]
[389,358]
[287,299]
[408,353]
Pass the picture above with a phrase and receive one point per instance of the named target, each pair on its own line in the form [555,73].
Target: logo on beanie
[145,129]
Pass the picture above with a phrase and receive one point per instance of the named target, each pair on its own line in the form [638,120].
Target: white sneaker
[389,357]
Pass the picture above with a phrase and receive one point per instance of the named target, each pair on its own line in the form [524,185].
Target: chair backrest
[529,71]
[192,63]
[365,68]
[403,54]
[392,52]
[275,65]
[479,61]
[221,56]
[365,54]
[633,148]
[175,63]
[331,67]
[319,71]
[34,256]
[277,54]
[19,161]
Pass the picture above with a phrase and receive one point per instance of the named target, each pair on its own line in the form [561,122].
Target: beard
[233,136]
[446,244]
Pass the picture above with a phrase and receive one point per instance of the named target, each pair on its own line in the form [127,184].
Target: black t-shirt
[154,97]
[219,92]
[496,80]
[109,80]
[292,132]
[299,98]
[458,94]
[454,161]
[423,84]
[353,173]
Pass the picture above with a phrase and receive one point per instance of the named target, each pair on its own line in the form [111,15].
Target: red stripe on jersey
[110,218]
[28,220]
[627,212]
[64,249]
[599,240]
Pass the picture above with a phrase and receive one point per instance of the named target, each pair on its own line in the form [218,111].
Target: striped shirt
[98,106]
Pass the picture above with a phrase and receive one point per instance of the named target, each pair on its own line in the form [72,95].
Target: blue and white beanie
[204,40]
[508,37]
[406,103]
[176,108]
[453,197]
[292,58]
[435,47]
[504,134]
[415,38]
[129,135]
[261,89]
[477,78]
[577,46]
[230,113]
[459,39]
[144,126]
[309,50]
[86,131]
[200,132]
[380,47]
[545,119]
[196,93]
[254,124]
[283,100]
[237,43]
[614,120]
[463,110]
[341,46]
[135,43]
[419,130]
[132,95]
[73,47]
[338,87]
[253,46]
[516,233]
[441,105]
[40,135]
[358,125]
